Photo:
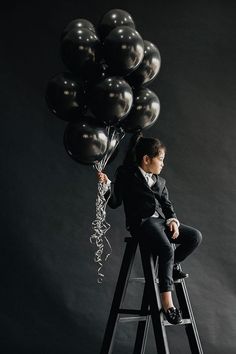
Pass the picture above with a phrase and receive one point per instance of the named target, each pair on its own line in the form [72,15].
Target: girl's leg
[154,239]
[189,239]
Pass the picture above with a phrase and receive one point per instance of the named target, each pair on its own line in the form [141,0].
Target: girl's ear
[146,159]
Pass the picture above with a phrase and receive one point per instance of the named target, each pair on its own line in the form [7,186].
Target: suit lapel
[138,174]
[156,188]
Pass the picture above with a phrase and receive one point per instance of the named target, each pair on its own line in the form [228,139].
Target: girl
[150,214]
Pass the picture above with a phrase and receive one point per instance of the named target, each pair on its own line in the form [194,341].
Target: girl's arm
[115,192]
[167,205]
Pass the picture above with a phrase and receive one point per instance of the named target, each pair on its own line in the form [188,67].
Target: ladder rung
[141,280]
[184,322]
[180,280]
[144,318]
[138,280]
[133,318]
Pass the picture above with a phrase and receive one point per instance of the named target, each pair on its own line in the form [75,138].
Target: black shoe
[173,315]
[178,274]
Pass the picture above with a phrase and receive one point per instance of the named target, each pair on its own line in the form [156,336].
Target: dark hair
[140,146]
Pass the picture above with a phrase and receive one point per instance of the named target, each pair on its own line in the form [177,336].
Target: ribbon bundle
[100,225]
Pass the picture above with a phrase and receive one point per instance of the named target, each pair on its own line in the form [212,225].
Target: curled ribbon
[100,225]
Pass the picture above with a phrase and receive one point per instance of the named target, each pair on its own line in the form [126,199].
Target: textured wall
[50,301]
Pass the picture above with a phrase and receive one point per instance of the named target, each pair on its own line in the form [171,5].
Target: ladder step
[141,317]
[142,280]
[144,318]
[184,322]
[133,318]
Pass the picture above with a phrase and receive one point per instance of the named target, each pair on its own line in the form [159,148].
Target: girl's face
[155,164]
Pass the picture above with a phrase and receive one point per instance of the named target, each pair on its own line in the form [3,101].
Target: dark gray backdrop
[50,301]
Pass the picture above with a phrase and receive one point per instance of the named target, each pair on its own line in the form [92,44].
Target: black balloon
[80,51]
[123,50]
[65,96]
[112,19]
[100,72]
[110,100]
[148,68]
[144,113]
[78,24]
[86,141]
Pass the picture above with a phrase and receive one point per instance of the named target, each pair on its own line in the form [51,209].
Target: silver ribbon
[100,226]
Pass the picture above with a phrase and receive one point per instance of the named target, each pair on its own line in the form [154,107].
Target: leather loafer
[178,273]
[173,315]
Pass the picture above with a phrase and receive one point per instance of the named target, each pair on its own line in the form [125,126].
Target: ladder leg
[155,303]
[191,329]
[119,294]
[143,326]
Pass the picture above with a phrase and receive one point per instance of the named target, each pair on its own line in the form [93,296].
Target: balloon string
[100,225]
[115,134]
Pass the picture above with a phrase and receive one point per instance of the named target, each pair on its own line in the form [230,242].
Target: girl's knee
[167,252]
[197,236]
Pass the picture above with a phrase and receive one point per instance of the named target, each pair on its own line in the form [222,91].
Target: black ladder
[150,306]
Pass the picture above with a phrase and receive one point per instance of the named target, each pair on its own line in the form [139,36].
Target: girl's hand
[102,177]
[174,228]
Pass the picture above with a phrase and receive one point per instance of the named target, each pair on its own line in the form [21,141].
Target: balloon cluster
[103,93]
[105,85]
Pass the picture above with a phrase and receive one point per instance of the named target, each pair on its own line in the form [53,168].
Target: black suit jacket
[140,201]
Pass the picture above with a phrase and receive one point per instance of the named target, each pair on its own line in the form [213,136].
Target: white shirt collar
[144,173]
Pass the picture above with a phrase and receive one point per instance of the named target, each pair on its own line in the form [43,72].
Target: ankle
[166,300]
[168,305]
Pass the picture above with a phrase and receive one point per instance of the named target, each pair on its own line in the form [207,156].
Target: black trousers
[155,236]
